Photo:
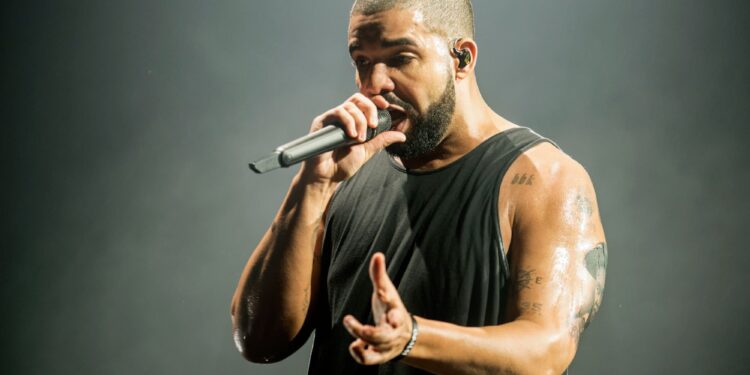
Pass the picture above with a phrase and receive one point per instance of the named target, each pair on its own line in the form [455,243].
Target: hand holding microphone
[354,130]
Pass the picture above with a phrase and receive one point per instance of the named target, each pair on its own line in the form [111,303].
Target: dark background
[130,210]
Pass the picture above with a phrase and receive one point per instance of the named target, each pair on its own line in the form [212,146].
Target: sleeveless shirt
[440,234]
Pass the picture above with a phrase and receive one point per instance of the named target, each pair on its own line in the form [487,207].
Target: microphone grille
[384,123]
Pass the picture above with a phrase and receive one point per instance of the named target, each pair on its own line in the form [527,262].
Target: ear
[467,51]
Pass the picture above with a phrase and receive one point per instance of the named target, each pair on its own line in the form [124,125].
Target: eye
[360,62]
[399,60]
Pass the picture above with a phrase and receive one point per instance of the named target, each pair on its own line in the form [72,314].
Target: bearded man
[455,243]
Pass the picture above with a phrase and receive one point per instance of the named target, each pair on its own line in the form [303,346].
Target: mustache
[393,99]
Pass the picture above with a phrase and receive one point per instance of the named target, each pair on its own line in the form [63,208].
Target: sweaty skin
[548,212]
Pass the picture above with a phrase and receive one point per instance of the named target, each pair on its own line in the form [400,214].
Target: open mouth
[398,118]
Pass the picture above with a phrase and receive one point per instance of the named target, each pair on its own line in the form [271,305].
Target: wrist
[314,183]
[412,339]
[308,195]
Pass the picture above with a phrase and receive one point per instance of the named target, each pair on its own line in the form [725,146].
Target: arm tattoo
[584,205]
[526,279]
[522,179]
[596,265]
[531,308]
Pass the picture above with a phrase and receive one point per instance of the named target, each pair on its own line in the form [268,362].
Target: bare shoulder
[550,166]
[545,183]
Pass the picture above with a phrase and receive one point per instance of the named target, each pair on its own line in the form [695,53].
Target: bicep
[558,253]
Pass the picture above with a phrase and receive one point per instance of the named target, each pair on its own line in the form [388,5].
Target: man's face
[397,57]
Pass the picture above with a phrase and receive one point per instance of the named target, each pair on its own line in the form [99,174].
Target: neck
[473,122]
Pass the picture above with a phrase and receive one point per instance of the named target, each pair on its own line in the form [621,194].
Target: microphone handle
[326,139]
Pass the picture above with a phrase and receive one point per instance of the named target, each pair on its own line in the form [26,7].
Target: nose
[377,81]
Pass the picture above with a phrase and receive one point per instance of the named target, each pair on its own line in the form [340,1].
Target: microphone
[330,137]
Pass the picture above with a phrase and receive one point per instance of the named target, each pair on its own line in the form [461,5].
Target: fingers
[384,140]
[373,335]
[356,114]
[346,118]
[368,108]
[362,353]
[365,114]
[358,350]
[366,354]
[360,121]
[380,101]
[374,345]
[339,114]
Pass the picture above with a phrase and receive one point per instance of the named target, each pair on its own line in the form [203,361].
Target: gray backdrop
[131,212]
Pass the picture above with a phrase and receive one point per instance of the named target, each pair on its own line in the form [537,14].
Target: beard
[428,130]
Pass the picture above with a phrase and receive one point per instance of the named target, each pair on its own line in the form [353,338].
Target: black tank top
[440,234]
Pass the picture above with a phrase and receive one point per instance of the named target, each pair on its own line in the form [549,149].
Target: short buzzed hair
[450,18]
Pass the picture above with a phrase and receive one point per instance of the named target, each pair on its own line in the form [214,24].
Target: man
[494,248]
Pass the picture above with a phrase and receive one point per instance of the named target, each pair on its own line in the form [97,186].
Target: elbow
[247,340]
[248,343]
[261,338]
[258,342]
[253,349]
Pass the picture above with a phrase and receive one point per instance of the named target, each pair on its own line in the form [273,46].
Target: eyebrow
[386,43]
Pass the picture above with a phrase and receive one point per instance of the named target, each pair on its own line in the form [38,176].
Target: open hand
[392,330]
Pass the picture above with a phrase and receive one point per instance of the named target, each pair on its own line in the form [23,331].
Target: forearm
[273,295]
[518,347]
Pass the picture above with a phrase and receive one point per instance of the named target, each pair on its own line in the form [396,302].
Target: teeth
[397,123]
[397,118]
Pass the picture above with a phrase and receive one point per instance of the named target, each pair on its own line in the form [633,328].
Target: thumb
[381,283]
[384,140]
